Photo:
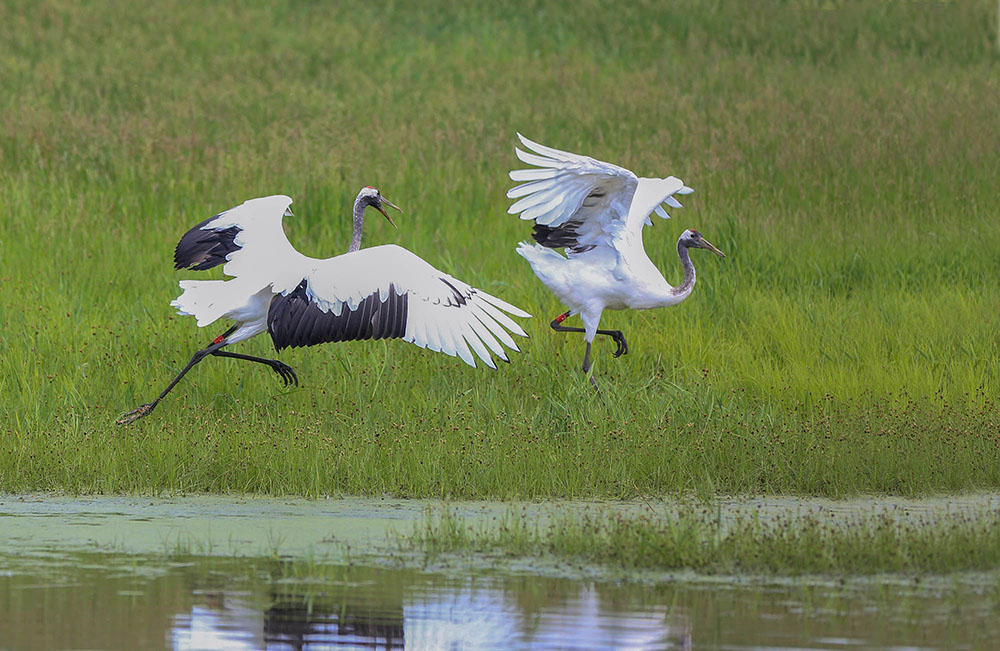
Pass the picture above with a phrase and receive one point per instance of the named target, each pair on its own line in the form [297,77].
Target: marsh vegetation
[844,155]
[699,539]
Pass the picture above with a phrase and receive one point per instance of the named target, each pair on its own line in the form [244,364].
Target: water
[110,573]
[110,601]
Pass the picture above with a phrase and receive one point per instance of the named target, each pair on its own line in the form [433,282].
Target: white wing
[387,292]
[578,202]
[249,241]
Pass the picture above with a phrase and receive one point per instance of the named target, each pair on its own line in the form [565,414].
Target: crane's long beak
[705,244]
[391,205]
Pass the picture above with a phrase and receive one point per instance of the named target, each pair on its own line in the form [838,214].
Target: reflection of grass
[845,159]
[705,543]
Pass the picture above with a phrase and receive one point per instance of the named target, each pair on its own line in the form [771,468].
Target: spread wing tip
[505,306]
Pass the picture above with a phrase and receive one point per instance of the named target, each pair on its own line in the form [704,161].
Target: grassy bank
[845,159]
[701,541]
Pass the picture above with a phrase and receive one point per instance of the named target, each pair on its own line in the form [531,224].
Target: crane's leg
[617,335]
[558,327]
[144,410]
[283,370]
[586,368]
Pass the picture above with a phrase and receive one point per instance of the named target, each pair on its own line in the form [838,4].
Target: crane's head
[370,196]
[693,239]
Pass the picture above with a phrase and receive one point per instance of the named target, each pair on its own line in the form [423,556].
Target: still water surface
[107,601]
[117,584]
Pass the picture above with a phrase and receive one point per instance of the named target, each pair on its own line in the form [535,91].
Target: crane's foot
[136,414]
[285,372]
[593,383]
[619,338]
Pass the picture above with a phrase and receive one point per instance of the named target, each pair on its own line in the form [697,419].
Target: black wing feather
[563,236]
[202,248]
[566,235]
[294,320]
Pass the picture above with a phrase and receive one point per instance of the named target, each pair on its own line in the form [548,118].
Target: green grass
[699,540]
[844,156]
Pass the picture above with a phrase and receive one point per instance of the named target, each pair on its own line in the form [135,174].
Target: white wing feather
[264,249]
[443,313]
[601,197]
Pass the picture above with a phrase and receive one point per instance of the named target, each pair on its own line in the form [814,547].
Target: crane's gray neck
[688,283]
[359,220]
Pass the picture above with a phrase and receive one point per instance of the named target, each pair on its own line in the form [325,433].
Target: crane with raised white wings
[383,292]
[596,211]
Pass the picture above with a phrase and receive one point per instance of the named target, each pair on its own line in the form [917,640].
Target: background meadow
[844,155]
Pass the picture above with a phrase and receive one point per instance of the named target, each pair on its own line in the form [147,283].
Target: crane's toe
[622,344]
[285,372]
[135,414]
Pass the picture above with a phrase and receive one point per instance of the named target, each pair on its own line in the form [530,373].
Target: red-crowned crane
[383,292]
[596,212]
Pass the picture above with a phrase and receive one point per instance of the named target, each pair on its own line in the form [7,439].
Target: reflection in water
[477,615]
[221,628]
[55,600]
[297,626]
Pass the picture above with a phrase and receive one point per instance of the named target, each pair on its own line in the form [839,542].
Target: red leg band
[562,317]
[218,340]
